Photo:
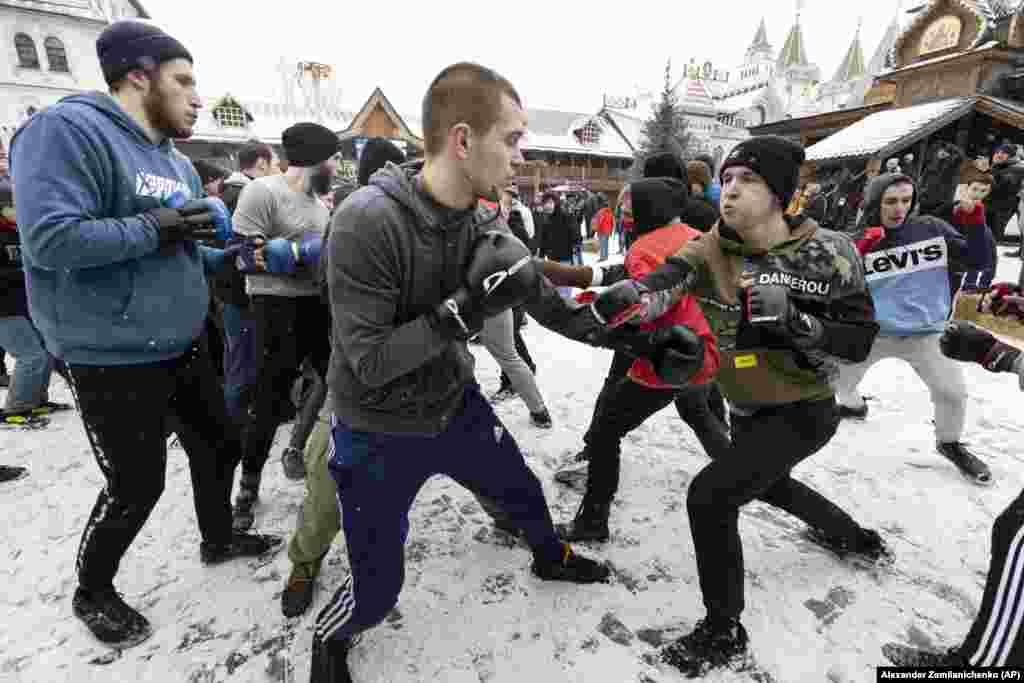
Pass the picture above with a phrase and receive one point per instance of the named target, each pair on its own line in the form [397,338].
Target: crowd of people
[217,305]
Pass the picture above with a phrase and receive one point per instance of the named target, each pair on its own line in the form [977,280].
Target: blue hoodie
[101,290]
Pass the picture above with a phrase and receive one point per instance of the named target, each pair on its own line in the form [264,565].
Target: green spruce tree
[666,128]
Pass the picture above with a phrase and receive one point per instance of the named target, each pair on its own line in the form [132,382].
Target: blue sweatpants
[378,476]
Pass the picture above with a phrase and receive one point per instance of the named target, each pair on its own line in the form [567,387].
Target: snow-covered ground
[471,611]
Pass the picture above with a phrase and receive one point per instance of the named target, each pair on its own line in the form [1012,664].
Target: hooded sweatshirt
[394,255]
[908,270]
[101,290]
[825,278]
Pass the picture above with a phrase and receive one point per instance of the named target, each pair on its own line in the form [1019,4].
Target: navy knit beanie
[131,44]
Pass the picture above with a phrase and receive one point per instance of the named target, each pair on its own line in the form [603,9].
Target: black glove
[187,223]
[768,308]
[621,302]
[676,352]
[965,341]
[458,317]
[500,275]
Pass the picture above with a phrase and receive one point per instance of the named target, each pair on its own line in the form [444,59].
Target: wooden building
[957,75]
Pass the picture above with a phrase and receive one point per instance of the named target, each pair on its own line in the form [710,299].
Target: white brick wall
[21,88]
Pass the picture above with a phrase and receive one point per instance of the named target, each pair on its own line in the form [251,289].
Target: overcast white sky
[559,54]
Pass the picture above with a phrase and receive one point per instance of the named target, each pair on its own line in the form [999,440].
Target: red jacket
[604,221]
[645,255]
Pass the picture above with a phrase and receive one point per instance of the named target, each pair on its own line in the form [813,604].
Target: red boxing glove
[1003,299]
[586,297]
[872,236]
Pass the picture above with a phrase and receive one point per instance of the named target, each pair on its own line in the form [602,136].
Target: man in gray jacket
[414,267]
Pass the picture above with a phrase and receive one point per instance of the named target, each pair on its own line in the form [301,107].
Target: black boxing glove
[677,352]
[501,273]
[768,307]
[620,303]
[173,225]
[458,317]
[964,341]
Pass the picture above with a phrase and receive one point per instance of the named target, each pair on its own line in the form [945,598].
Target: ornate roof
[760,41]
[97,10]
[793,52]
[988,11]
[852,66]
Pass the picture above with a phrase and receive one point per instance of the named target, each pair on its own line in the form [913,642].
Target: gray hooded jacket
[393,256]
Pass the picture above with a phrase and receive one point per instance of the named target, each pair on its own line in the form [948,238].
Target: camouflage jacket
[825,277]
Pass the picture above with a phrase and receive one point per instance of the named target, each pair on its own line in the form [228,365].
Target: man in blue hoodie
[908,273]
[117,288]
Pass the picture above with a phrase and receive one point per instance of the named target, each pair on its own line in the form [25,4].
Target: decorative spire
[793,52]
[852,66]
[760,38]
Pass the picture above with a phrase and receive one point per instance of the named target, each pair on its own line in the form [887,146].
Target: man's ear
[461,139]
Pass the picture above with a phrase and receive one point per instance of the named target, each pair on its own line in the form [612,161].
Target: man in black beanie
[788,303]
[109,214]
[376,154]
[292,322]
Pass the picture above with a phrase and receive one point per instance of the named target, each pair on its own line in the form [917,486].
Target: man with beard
[117,289]
[292,321]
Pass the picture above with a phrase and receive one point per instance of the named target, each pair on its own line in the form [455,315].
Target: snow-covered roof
[885,132]
[269,120]
[555,131]
[744,100]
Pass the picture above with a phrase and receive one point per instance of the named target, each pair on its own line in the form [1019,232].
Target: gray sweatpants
[498,339]
[944,378]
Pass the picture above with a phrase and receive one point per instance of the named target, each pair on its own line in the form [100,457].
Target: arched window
[28,58]
[56,55]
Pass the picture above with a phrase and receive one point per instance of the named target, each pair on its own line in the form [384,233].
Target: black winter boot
[589,524]
[713,644]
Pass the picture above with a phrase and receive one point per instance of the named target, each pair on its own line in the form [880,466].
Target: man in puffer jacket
[908,273]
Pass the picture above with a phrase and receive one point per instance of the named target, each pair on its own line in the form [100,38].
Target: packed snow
[471,611]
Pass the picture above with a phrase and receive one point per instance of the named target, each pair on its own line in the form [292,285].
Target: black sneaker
[969,465]
[109,618]
[582,456]
[573,568]
[502,394]
[589,524]
[869,549]
[542,419]
[241,545]
[711,645]
[243,515]
[298,592]
[11,473]
[847,413]
[330,663]
[292,463]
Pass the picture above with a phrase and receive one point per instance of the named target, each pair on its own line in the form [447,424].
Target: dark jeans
[289,330]
[128,411]
[241,363]
[378,476]
[765,447]
[702,408]
[518,316]
[995,638]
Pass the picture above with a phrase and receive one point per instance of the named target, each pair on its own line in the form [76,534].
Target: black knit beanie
[209,171]
[376,153]
[308,144]
[774,158]
[656,201]
[131,44]
[664,165]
